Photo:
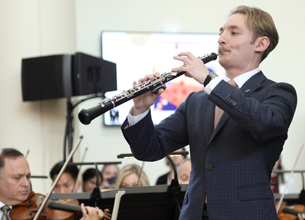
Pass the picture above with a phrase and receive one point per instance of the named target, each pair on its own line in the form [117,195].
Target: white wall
[42,27]
[29,29]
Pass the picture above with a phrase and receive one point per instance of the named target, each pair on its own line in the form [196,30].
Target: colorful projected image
[137,54]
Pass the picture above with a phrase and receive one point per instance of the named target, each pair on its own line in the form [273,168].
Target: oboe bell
[87,115]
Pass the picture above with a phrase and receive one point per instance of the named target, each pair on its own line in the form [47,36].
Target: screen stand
[69,130]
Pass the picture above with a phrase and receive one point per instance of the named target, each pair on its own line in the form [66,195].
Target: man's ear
[79,184]
[261,44]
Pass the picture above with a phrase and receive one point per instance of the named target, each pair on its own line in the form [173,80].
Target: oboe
[87,115]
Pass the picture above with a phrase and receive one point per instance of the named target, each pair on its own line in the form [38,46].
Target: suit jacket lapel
[254,83]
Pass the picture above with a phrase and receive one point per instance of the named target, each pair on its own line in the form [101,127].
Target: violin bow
[27,153]
[141,171]
[57,178]
[290,176]
[80,167]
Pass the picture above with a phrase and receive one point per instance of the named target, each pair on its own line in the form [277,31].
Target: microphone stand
[174,188]
[96,195]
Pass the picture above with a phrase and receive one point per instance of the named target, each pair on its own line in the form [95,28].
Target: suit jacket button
[233,102]
[209,166]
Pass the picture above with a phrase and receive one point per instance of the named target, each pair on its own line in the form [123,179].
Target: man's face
[236,44]
[185,172]
[65,183]
[15,181]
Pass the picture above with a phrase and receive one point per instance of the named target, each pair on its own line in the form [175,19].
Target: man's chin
[222,62]
[23,195]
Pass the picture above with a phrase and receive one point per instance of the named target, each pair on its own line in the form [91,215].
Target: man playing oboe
[236,129]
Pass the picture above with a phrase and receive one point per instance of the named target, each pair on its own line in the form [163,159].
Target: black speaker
[92,75]
[46,77]
[61,76]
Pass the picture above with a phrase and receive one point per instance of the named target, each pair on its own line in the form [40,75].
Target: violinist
[15,184]
[301,216]
[67,180]
[14,178]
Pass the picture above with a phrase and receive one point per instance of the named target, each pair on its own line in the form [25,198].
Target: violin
[289,212]
[63,209]
[37,206]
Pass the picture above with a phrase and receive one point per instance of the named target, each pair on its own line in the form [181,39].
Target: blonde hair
[261,23]
[128,170]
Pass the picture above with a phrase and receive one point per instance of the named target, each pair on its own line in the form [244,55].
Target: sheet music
[117,204]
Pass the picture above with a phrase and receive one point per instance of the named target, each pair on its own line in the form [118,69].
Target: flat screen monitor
[137,54]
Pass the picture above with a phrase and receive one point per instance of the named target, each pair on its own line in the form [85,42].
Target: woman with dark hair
[89,179]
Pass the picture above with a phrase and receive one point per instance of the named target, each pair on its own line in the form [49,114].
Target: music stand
[149,203]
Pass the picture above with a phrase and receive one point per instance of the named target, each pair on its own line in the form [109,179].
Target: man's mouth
[24,192]
[223,51]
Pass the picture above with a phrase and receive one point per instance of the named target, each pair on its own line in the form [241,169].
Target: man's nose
[222,39]
[60,189]
[26,182]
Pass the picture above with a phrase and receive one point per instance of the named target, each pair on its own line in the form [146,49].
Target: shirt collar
[2,204]
[241,79]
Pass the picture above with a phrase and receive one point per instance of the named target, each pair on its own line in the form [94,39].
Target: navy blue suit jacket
[232,164]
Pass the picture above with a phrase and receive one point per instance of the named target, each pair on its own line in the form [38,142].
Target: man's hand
[143,102]
[193,66]
[90,213]
[301,216]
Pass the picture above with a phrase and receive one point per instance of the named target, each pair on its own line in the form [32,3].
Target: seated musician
[109,173]
[184,171]
[301,216]
[129,175]
[67,180]
[15,184]
[89,179]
